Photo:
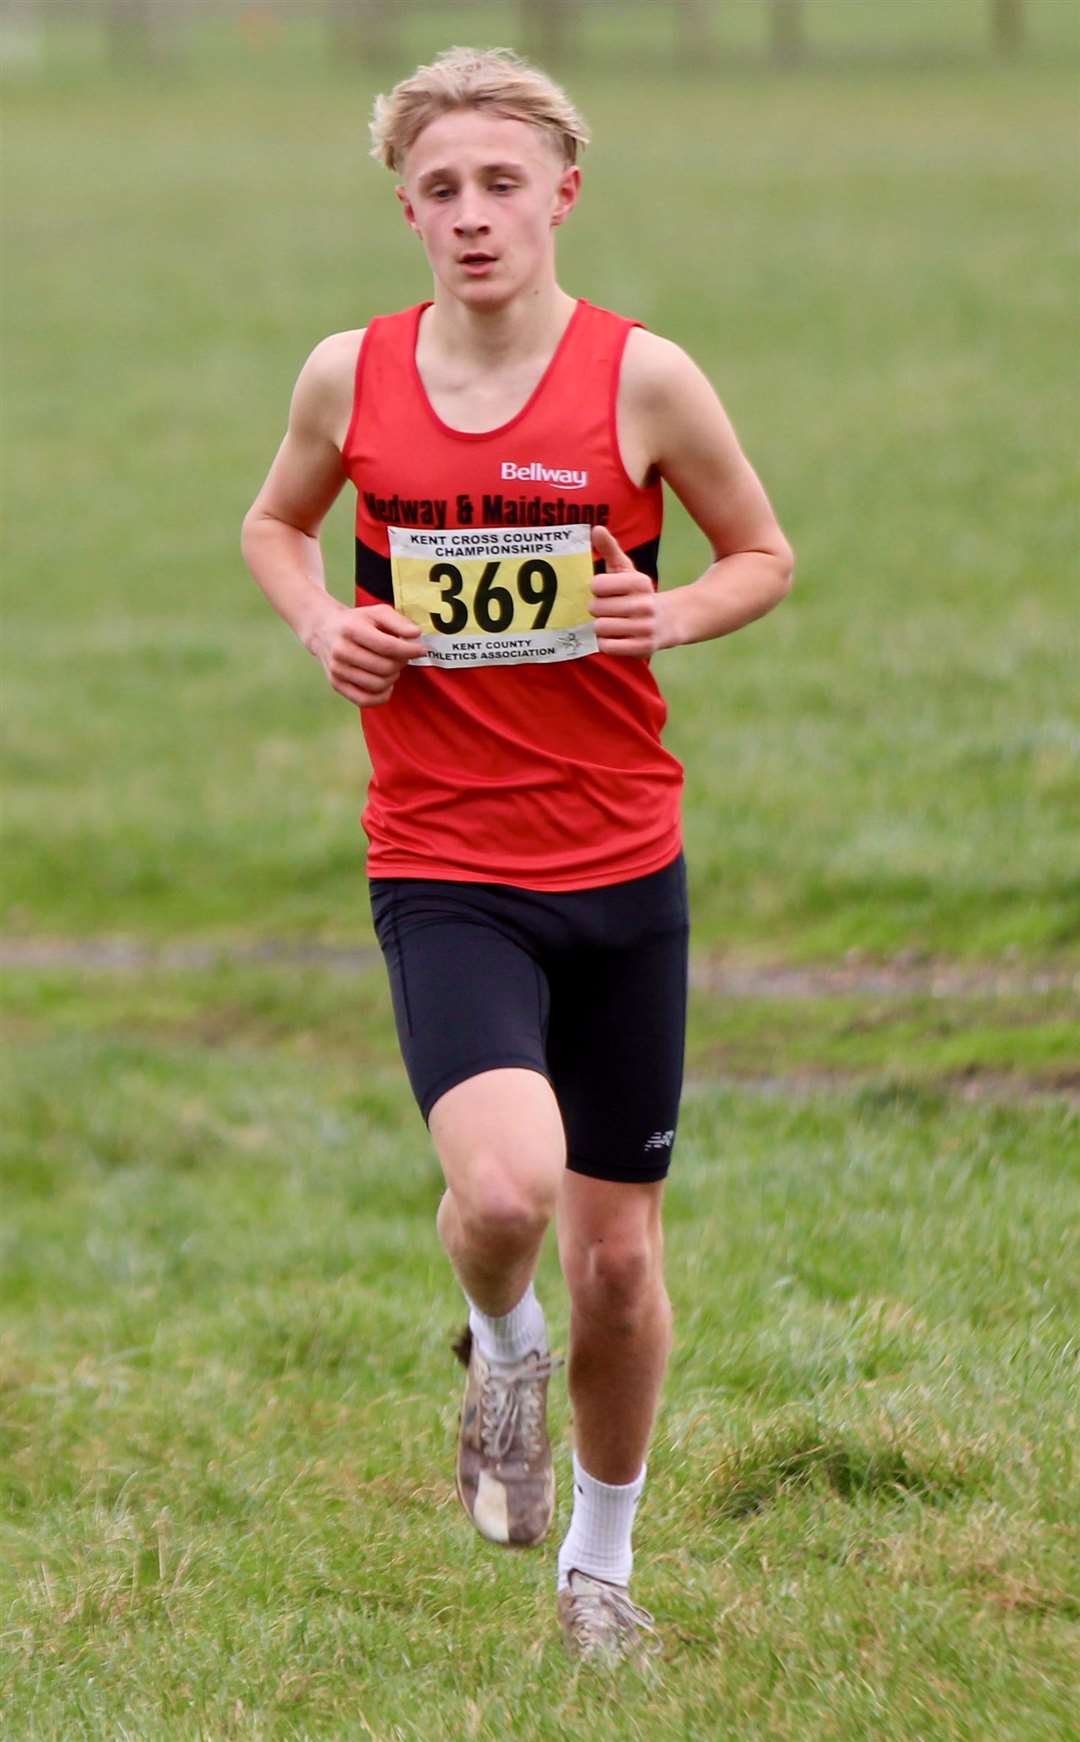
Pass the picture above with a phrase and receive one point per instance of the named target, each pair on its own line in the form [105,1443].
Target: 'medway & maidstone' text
[495,510]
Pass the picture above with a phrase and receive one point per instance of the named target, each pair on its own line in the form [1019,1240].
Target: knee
[504,1215]
[618,1280]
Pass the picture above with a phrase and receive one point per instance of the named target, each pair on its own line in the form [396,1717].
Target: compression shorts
[587,987]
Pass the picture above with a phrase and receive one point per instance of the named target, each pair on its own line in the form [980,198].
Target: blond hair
[495,79]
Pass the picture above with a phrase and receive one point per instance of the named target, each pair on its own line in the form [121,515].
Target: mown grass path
[1000,1031]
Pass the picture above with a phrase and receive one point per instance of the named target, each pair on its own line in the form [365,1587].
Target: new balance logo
[660,1140]
[535,473]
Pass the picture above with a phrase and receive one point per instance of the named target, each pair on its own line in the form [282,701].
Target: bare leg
[499,1137]
[611,1248]
[500,1140]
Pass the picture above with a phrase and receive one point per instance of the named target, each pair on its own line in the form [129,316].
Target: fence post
[137,32]
[21,35]
[695,41]
[786,32]
[1007,25]
[548,28]
[365,29]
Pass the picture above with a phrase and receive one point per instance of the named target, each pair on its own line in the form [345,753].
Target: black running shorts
[586,987]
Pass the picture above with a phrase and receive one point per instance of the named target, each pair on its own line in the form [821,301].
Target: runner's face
[484,194]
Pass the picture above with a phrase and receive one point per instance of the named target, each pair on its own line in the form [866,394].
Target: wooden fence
[549,30]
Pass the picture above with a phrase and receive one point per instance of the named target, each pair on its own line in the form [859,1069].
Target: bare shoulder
[334,357]
[665,403]
[669,410]
[656,370]
[323,395]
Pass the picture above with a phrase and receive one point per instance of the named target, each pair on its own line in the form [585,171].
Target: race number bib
[503,595]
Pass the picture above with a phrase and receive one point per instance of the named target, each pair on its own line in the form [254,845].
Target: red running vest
[548,777]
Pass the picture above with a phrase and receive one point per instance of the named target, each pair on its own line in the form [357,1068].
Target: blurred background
[856,214]
[786,31]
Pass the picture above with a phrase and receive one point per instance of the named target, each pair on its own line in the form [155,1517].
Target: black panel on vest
[646,558]
[373,572]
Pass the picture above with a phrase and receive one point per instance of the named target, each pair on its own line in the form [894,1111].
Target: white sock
[512,1337]
[598,1541]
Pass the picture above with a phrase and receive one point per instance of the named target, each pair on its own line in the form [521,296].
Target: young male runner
[527,880]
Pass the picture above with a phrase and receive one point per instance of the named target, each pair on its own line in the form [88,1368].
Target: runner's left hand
[626,607]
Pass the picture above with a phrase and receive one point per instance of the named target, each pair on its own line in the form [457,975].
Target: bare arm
[361,650]
[676,422]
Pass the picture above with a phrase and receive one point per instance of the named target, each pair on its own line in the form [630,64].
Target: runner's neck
[478,380]
[455,341]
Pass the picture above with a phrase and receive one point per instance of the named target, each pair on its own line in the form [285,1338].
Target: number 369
[493,607]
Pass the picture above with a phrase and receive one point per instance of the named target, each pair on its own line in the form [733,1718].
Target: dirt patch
[125,955]
[986,1087]
[718,976]
[900,977]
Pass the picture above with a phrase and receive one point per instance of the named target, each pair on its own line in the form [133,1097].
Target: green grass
[874,271]
[226,1400]
[228,1407]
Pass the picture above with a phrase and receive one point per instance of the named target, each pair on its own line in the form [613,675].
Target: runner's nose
[470,220]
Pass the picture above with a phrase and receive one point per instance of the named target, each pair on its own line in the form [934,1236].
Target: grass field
[226,1400]
[228,1409]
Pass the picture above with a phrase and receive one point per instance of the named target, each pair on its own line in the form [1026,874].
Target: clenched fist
[626,608]
[364,649]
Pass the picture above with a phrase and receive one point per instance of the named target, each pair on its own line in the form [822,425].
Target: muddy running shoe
[504,1473]
[601,1625]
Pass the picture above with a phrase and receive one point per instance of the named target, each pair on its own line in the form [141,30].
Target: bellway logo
[535,473]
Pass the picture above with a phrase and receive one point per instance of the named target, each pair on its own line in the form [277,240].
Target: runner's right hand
[364,649]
